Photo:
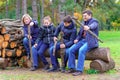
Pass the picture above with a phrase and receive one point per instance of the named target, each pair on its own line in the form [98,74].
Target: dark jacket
[69,33]
[92,41]
[34,30]
[46,34]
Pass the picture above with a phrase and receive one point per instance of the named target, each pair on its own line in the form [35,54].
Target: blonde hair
[25,15]
[46,18]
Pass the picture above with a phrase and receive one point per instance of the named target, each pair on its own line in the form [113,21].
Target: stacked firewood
[11,35]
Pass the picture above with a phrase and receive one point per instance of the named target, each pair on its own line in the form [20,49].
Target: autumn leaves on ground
[111,39]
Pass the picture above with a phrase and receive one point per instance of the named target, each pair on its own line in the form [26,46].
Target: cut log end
[102,66]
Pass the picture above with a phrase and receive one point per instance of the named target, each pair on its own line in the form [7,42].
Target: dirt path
[25,74]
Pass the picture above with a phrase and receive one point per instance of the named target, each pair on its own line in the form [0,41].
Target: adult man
[83,43]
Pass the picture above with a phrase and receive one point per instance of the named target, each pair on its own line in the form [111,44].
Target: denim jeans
[81,47]
[54,60]
[26,44]
[38,51]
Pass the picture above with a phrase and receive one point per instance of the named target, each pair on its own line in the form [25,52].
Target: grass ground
[111,39]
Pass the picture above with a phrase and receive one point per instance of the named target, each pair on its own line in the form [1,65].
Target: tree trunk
[6,7]
[18,2]
[61,13]
[34,9]
[24,7]
[42,11]
[102,66]
[99,53]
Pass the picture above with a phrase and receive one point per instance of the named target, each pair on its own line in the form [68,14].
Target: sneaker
[47,67]
[70,71]
[77,73]
[63,70]
[53,70]
[33,69]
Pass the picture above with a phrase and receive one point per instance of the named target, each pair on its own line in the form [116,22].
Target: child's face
[66,24]
[46,23]
[26,20]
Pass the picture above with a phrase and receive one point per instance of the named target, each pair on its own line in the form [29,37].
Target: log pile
[11,35]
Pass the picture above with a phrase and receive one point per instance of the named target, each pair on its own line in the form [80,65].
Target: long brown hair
[25,15]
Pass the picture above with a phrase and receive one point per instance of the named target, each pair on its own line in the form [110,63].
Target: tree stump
[102,66]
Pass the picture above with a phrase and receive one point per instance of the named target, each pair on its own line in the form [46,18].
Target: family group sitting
[44,37]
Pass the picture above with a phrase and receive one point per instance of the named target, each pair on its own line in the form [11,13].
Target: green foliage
[92,71]
[68,5]
[113,71]
[103,10]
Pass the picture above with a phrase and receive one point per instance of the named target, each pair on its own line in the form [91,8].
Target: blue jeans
[54,60]
[26,44]
[38,51]
[81,47]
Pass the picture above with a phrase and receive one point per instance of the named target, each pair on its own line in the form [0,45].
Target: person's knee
[33,48]
[25,41]
[51,50]
[71,50]
[82,51]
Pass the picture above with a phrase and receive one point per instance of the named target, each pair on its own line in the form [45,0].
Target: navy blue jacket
[69,33]
[92,41]
[46,34]
[34,30]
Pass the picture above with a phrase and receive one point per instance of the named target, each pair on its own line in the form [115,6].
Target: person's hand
[62,45]
[29,36]
[55,39]
[31,24]
[75,41]
[86,28]
[35,44]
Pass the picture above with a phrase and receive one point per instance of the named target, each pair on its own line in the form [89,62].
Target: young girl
[27,21]
[44,41]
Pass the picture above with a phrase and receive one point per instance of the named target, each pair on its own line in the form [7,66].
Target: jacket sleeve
[79,34]
[25,31]
[35,22]
[72,38]
[58,29]
[93,25]
[40,35]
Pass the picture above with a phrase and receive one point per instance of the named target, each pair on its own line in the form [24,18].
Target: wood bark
[18,2]
[34,9]
[2,63]
[24,7]
[98,53]
[102,66]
